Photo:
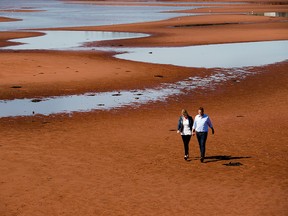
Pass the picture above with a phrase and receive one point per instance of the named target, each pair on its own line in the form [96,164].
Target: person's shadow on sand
[216,158]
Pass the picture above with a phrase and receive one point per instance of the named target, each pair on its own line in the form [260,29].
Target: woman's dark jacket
[180,123]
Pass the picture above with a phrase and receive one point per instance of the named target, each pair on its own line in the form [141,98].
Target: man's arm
[210,125]
[212,130]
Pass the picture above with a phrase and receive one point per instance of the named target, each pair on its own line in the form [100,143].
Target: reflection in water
[112,100]
[68,39]
[212,56]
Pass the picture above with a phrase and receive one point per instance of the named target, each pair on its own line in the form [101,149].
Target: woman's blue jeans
[202,137]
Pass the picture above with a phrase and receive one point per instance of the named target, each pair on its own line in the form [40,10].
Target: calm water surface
[212,56]
[67,40]
[59,14]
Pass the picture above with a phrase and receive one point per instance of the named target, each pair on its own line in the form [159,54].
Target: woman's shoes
[186,157]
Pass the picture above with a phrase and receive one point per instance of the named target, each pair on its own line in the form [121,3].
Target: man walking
[200,127]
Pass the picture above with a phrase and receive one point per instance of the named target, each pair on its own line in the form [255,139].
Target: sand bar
[6,19]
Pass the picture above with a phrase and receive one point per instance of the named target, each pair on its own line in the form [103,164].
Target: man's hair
[201,108]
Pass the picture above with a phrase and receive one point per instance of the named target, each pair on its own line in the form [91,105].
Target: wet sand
[130,161]
[79,72]
[6,19]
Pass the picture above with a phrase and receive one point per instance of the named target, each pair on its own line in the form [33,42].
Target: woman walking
[185,124]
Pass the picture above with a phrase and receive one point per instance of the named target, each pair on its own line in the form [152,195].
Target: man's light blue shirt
[201,123]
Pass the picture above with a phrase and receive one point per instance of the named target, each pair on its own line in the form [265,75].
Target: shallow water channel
[111,100]
[68,40]
[212,56]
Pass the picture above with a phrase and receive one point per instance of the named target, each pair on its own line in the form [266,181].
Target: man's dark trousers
[202,137]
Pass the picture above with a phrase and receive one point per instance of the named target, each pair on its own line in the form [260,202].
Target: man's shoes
[202,159]
[186,157]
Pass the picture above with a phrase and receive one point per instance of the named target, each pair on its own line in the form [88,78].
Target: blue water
[67,40]
[59,14]
[212,56]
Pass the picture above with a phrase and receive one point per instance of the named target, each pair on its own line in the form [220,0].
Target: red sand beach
[130,161]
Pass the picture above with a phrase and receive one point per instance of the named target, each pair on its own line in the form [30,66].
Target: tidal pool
[212,56]
[63,40]
[111,100]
